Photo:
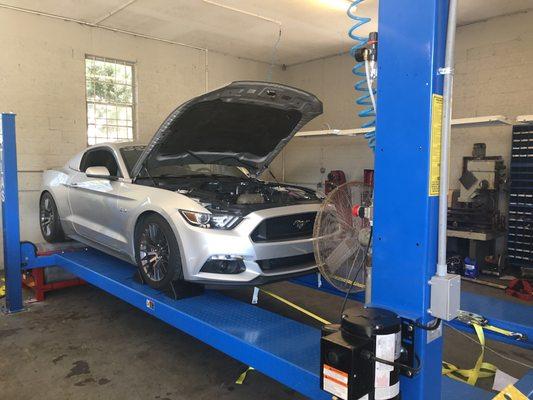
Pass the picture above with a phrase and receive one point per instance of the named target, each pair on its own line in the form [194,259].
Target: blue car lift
[412,40]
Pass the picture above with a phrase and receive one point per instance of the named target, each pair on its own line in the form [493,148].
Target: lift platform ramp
[281,348]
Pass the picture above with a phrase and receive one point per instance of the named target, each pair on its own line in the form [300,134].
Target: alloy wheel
[154,252]
[47,216]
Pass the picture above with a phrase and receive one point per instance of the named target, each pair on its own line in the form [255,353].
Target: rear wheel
[49,219]
[157,252]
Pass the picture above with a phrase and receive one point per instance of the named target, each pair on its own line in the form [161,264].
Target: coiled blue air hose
[359,71]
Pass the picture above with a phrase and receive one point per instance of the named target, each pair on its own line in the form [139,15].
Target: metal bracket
[255,295]
[446,71]
[407,355]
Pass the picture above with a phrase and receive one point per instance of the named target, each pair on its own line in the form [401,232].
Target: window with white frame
[110,99]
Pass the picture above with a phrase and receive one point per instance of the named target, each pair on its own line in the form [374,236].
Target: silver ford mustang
[189,205]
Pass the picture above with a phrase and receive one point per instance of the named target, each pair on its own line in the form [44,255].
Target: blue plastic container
[471,268]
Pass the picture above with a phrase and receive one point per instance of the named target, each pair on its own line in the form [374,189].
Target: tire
[49,220]
[157,252]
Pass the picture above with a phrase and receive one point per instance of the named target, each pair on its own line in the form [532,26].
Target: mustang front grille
[287,227]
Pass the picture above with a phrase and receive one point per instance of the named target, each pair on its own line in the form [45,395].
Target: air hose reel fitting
[369,52]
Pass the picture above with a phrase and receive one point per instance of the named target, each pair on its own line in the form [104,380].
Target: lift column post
[10,215]
[412,39]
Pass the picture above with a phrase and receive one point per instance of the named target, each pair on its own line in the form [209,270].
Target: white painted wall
[494,69]
[332,81]
[42,80]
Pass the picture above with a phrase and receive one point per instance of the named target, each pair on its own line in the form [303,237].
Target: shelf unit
[520,236]
[524,118]
[335,132]
[489,120]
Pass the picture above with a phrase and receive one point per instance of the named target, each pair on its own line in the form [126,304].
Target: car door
[94,200]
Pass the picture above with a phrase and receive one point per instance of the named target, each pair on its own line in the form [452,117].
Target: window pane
[109,91]
[90,114]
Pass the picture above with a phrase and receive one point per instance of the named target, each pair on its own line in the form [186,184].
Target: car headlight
[212,221]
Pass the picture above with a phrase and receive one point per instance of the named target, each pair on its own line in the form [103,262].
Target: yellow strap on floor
[510,393]
[480,370]
[2,289]
[242,377]
[296,307]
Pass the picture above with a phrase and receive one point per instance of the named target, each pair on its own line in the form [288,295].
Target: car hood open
[244,124]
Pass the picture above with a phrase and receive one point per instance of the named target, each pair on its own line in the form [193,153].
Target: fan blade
[342,252]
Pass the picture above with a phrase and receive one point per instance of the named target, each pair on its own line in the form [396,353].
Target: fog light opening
[224,264]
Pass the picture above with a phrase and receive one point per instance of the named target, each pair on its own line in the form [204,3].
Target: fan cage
[340,240]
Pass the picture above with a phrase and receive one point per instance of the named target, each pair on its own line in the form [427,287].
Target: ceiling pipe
[116,10]
[251,14]
[262,17]
[93,25]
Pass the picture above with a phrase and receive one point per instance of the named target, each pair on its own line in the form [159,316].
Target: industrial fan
[342,234]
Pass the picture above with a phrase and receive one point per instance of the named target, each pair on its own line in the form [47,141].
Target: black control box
[348,369]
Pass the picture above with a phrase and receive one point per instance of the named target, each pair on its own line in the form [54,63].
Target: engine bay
[240,196]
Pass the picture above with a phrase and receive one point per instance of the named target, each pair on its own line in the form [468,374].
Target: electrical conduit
[447,71]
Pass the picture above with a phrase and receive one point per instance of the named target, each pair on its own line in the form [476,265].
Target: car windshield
[131,154]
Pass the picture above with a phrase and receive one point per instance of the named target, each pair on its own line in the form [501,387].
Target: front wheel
[157,252]
[49,219]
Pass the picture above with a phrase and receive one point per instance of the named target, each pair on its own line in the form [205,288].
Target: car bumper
[198,245]
[259,281]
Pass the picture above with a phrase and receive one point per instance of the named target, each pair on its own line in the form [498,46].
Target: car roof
[117,145]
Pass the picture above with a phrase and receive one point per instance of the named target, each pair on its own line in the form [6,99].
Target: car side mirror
[98,172]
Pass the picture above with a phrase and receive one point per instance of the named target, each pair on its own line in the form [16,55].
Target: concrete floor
[82,343]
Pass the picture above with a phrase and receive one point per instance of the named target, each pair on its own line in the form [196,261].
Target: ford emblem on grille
[300,223]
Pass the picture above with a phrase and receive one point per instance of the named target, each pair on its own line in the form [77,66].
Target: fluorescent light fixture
[341,5]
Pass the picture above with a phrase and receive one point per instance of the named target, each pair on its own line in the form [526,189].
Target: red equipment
[368,177]
[335,179]
[42,280]
[520,288]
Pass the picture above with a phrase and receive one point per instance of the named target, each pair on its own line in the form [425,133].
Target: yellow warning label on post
[434,150]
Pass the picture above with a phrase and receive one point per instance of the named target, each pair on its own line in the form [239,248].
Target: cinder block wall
[494,75]
[42,80]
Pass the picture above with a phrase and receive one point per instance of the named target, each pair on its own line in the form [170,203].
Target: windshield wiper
[163,176]
[191,153]
[248,165]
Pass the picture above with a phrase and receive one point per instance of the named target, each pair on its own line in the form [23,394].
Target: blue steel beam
[412,35]
[10,215]
[525,384]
